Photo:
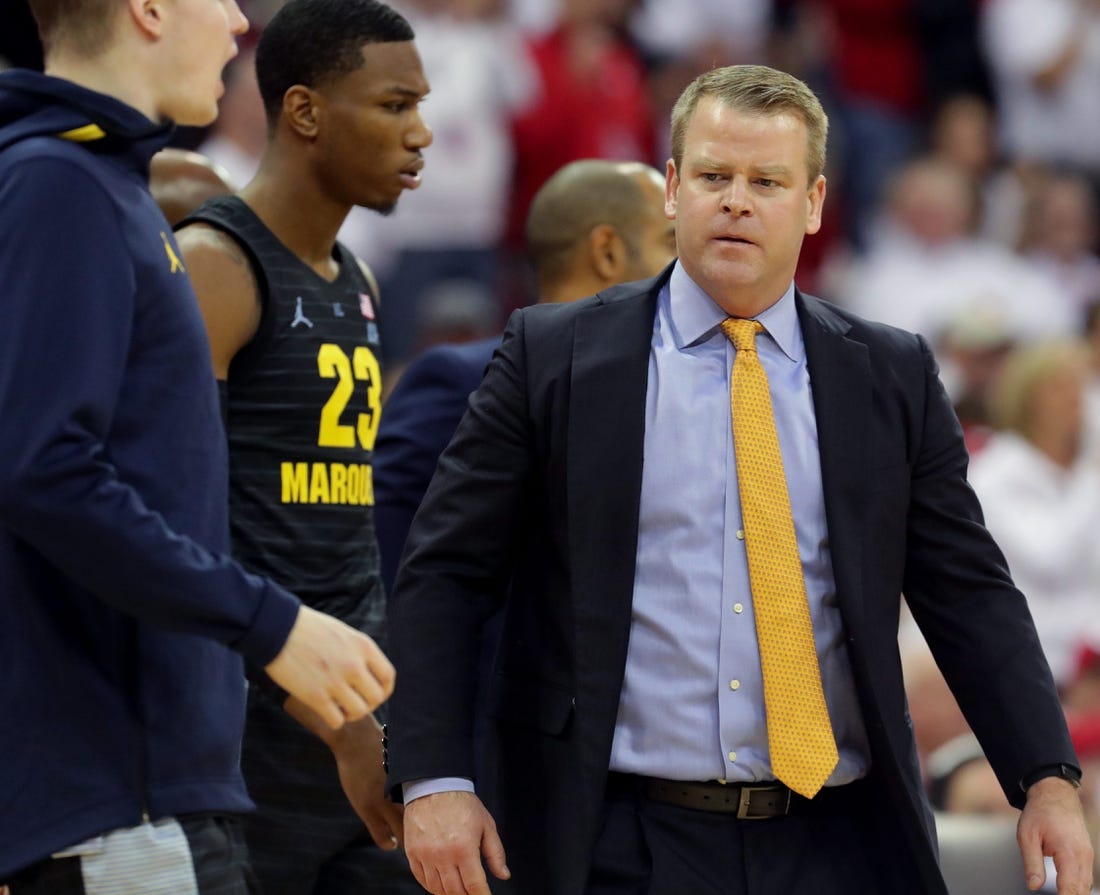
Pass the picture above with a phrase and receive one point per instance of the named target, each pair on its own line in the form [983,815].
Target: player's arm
[357,748]
[229,298]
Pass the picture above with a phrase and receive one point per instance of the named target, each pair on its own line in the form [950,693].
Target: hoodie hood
[34,105]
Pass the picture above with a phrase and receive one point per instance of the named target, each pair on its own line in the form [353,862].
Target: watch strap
[1069,773]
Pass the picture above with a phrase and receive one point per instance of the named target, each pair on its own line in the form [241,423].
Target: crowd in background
[964,153]
[962,175]
[963,184]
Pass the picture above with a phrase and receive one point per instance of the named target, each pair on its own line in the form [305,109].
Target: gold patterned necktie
[800,735]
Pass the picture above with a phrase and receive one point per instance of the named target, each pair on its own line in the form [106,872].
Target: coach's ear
[672,187]
[815,201]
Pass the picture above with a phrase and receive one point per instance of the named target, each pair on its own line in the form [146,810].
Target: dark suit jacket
[418,421]
[419,418]
[542,481]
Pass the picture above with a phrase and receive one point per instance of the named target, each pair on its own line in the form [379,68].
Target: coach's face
[742,201]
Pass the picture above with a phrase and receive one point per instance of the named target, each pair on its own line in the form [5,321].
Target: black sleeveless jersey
[303,406]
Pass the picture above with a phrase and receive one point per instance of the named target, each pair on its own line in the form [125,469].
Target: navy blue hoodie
[122,619]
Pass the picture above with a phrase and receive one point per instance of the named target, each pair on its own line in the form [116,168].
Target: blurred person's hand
[336,671]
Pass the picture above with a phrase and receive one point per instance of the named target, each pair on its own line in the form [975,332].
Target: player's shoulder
[216,262]
[202,238]
[211,247]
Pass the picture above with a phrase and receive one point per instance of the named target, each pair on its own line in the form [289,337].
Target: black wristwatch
[1067,772]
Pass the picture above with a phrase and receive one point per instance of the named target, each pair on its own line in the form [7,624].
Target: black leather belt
[748,801]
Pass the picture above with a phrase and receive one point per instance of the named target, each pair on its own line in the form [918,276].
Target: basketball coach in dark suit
[700,498]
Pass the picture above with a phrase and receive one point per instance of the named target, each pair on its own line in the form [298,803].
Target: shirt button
[735,685]
[740,534]
[733,756]
[738,608]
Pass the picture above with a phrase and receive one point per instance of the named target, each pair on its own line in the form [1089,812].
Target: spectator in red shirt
[593,101]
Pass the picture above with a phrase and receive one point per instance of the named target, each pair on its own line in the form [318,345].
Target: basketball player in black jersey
[292,318]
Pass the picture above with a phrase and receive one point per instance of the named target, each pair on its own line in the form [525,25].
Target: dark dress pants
[833,845]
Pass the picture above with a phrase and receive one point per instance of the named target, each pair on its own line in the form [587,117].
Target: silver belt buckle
[765,807]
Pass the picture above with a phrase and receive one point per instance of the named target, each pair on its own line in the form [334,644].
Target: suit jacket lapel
[841,383]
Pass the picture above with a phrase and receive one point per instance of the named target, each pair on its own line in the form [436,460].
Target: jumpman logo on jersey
[299,316]
[337,309]
[175,265]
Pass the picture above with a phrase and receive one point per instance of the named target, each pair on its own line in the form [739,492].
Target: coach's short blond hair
[755,90]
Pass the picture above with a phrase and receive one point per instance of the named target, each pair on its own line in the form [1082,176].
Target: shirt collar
[695,316]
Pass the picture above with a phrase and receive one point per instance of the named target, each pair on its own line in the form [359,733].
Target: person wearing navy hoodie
[125,620]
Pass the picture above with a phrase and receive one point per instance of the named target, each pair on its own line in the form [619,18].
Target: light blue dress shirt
[692,704]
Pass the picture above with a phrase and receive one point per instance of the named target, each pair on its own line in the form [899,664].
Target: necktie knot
[742,332]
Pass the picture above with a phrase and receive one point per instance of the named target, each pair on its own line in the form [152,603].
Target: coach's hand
[446,835]
[337,671]
[1052,823]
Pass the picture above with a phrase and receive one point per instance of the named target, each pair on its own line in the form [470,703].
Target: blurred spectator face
[934,202]
[974,789]
[977,341]
[960,780]
[609,13]
[1040,395]
[977,365]
[1056,403]
[963,134]
[1066,224]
